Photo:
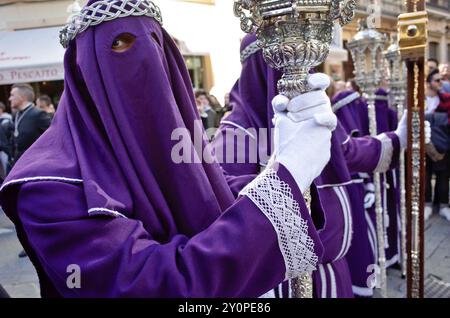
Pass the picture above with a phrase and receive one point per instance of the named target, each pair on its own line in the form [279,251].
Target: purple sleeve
[362,153]
[239,255]
[395,160]
[236,150]
[237,183]
[232,148]
[369,154]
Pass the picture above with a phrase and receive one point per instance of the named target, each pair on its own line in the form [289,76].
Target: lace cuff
[387,152]
[274,198]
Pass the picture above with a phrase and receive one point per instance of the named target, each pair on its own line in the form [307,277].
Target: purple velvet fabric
[100,190]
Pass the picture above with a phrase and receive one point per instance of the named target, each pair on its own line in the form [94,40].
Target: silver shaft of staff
[378,203]
[400,111]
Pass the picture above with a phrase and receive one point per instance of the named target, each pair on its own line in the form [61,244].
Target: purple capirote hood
[113,129]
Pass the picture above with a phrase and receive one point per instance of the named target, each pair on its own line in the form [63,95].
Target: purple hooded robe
[332,190]
[100,191]
[351,111]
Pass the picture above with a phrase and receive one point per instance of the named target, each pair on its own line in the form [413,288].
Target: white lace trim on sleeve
[274,198]
[387,151]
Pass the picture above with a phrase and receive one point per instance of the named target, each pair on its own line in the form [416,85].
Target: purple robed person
[99,193]
[351,111]
[331,192]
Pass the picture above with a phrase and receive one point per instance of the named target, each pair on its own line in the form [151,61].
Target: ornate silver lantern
[397,84]
[367,48]
[295,35]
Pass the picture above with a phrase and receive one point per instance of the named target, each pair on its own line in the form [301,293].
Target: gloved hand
[402,131]
[369,197]
[303,147]
[427,132]
[306,106]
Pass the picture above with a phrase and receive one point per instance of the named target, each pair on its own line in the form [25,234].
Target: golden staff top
[295,35]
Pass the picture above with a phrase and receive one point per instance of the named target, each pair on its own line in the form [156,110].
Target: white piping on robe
[104,211]
[41,178]
[354,181]
[346,223]
[350,220]
[323,278]
[372,236]
[362,291]
[227,122]
[346,140]
[333,281]
[269,294]
[392,261]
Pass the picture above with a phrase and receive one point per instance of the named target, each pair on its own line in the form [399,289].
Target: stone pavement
[18,277]
[437,257]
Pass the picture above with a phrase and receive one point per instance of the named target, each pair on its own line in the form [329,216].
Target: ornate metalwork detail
[347,13]
[302,287]
[251,49]
[415,190]
[102,11]
[295,35]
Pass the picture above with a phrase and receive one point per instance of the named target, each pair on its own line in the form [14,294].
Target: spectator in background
[351,85]
[29,121]
[445,73]
[335,88]
[207,113]
[437,113]
[5,137]
[432,64]
[228,107]
[44,102]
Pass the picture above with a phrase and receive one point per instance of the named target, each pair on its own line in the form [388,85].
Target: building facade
[385,13]
[206,31]
[29,30]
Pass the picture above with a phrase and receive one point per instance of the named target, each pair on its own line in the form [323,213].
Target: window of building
[433,50]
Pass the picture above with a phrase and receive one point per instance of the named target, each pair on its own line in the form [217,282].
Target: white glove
[302,147]
[402,131]
[306,106]
[369,198]
[427,132]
